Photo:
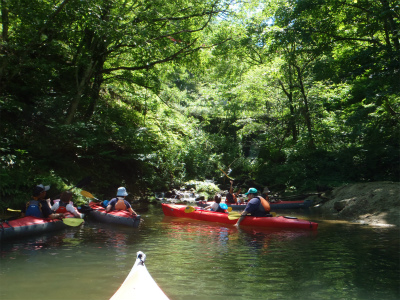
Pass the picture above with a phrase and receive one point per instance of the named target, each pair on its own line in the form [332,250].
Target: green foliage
[204,188]
[155,94]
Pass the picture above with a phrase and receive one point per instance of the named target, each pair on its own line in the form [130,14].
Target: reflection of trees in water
[212,237]
[28,246]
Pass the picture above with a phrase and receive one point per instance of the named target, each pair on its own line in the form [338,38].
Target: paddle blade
[234,215]
[229,209]
[189,209]
[73,221]
[87,194]
[273,214]
[13,210]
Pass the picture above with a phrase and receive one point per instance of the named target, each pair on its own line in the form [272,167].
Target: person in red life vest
[215,206]
[120,203]
[65,204]
[231,198]
[257,206]
[40,207]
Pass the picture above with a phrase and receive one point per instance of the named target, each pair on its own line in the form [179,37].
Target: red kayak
[174,210]
[29,226]
[122,217]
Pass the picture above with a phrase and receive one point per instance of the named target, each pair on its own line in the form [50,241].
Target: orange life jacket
[265,204]
[120,205]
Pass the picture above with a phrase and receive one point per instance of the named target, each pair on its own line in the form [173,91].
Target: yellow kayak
[139,284]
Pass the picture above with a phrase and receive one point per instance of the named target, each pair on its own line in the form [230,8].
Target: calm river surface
[193,260]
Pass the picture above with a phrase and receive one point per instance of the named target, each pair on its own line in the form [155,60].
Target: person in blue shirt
[256,206]
[120,203]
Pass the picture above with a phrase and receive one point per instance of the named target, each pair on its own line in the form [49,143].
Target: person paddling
[231,198]
[257,206]
[120,203]
[40,207]
[65,204]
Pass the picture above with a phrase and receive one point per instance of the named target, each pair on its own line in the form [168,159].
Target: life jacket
[62,208]
[120,205]
[264,205]
[34,209]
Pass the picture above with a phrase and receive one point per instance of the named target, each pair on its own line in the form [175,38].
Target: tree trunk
[4,20]
[81,85]
[307,116]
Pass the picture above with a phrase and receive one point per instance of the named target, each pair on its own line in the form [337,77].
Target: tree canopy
[149,94]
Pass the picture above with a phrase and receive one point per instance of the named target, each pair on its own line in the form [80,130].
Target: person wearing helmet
[257,206]
[119,203]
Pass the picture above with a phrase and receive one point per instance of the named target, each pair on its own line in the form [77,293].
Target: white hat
[122,192]
[46,188]
[39,189]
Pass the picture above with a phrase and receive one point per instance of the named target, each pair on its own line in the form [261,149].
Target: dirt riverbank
[372,203]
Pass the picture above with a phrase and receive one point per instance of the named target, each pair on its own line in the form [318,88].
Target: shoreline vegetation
[200,90]
[367,203]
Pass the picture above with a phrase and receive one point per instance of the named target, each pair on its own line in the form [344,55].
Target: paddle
[189,209]
[89,195]
[72,221]
[225,174]
[14,210]
[79,185]
[236,215]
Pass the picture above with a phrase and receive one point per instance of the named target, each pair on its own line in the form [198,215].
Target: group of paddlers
[41,207]
[256,206]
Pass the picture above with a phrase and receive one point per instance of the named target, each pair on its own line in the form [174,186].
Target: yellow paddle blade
[189,209]
[73,221]
[87,194]
[229,209]
[235,213]
[273,214]
[233,217]
[13,210]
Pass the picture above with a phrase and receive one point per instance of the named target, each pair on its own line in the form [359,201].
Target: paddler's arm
[243,215]
[231,188]
[56,216]
[134,214]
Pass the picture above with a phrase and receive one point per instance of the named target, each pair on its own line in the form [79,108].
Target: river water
[194,260]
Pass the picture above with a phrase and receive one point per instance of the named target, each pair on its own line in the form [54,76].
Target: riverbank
[372,203]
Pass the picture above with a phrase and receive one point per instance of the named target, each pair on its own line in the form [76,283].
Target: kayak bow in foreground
[139,284]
